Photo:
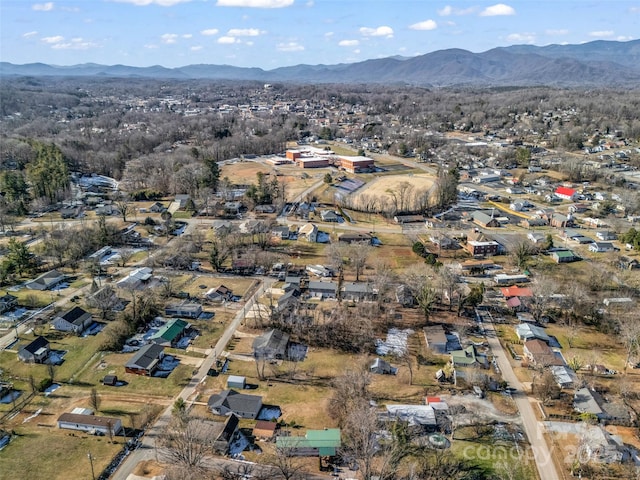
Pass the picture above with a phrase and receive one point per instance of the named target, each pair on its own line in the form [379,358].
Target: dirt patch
[148,469]
[381,186]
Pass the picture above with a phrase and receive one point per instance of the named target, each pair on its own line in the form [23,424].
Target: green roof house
[170,333]
[323,443]
[468,357]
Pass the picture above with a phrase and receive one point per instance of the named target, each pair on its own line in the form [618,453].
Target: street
[541,453]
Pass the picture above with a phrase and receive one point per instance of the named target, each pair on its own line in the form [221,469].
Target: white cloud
[209,31]
[55,39]
[70,9]
[169,38]
[290,47]
[196,48]
[75,44]
[357,51]
[151,46]
[499,9]
[187,35]
[602,33]
[43,7]
[425,25]
[310,3]
[522,37]
[562,31]
[144,3]
[382,31]
[227,40]
[624,38]
[348,43]
[329,34]
[244,32]
[255,3]
[249,43]
[449,10]
[30,34]
[634,10]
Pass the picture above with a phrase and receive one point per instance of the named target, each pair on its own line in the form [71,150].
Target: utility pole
[90,457]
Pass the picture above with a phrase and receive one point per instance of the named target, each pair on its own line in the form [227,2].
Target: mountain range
[599,63]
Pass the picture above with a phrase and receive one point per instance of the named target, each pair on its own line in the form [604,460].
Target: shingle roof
[146,357]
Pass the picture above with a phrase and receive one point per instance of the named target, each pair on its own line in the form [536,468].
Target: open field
[381,186]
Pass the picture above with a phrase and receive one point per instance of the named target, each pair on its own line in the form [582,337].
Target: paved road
[147,450]
[541,453]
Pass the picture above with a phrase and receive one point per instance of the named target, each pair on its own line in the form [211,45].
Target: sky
[275,33]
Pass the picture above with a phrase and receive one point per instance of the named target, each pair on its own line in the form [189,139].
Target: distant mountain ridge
[598,63]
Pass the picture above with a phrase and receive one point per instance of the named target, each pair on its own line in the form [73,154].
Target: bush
[149,221]
[44,384]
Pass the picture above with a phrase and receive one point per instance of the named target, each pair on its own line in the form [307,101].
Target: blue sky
[274,33]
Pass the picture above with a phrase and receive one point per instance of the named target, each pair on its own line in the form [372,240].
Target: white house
[76,320]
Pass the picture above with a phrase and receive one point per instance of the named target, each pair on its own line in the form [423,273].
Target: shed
[111,380]
[264,429]
[236,381]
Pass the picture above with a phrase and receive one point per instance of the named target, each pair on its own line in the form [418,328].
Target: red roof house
[565,193]
[509,292]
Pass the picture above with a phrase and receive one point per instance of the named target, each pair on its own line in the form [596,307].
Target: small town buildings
[280,232]
[240,404]
[381,367]
[508,292]
[136,279]
[323,443]
[564,256]
[469,357]
[110,380]
[8,302]
[329,216]
[220,435]
[526,331]
[539,353]
[481,249]
[601,247]
[157,207]
[354,237]
[236,381]
[76,320]
[272,345]
[319,270]
[485,220]
[35,352]
[98,254]
[170,333]
[323,290]
[146,360]
[309,232]
[356,292]
[186,309]
[356,164]
[46,281]
[90,423]
[219,294]
[436,339]
[566,193]
[505,279]
[564,376]
[264,430]
[606,236]
[628,263]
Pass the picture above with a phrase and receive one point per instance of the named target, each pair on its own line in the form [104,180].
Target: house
[354,237]
[136,279]
[8,302]
[357,291]
[187,309]
[271,345]
[110,380]
[319,270]
[381,367]
[35,352]
[76,320]
[468,357]
[628,263]
[219,294]
[508,292]
[484,220]
[600,247]
[309,232]
[536,237]
[170,333]
[404,296]
[599,446]
[566,193]
[505,279]
[232,208]
[558,220]
[281,232]
[220,435]
[46,281]
[90,423]
[231,402]
[564,256]
[323,289]
[265,208]
[290,297]
[540,354]
[236,381]
[98,254]
[564,376]
[183,201]
[323,443]
[329,216]
[264,430]
[422,416]
[157,207]
[526,331]
[221,227]
[146,360]
[70,212]
[436,339]
[584,401]
[606,236]
[480,249]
